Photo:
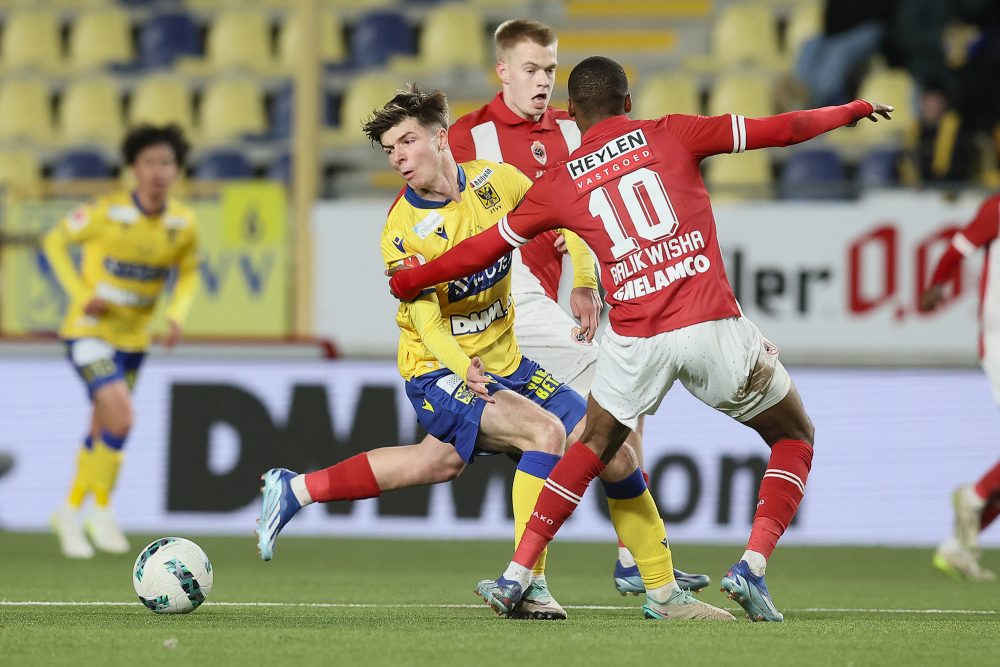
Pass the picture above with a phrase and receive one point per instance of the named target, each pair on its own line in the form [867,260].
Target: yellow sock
[524,492]
[640,528]
[83,482]
[107,461]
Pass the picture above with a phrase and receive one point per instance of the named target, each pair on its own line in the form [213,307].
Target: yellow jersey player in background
[131,243]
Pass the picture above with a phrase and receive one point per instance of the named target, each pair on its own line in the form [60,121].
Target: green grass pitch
[414,606]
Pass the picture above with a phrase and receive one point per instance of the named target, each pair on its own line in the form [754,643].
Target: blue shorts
[451,413]
[98,362]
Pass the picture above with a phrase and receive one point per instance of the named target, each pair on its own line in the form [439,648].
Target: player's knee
[621,465]
[120,422]
[549,436]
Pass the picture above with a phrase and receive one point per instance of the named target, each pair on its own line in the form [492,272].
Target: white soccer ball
[172,576]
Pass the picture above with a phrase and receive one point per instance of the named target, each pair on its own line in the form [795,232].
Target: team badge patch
[538,150]
[488,196]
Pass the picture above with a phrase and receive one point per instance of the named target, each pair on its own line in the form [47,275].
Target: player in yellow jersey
[131,243]
[466,378]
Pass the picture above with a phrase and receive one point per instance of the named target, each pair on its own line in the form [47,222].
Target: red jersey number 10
[647,204]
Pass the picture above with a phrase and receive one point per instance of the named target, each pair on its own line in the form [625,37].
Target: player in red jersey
[976,505]
[633,191]
[520,128]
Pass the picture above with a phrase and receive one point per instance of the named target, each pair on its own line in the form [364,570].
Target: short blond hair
[511,33]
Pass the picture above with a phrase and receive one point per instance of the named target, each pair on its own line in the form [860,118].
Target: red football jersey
[496,133]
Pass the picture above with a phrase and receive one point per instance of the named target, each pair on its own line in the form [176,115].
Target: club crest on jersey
[538,150]
[488,196]
[398,242]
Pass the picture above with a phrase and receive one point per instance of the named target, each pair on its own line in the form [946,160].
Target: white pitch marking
[364,605]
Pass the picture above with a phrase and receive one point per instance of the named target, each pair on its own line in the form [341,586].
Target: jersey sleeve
[463,148]
[425,316]
[983,229]
[81,225]
[584,271]
[517,184]
[186,286]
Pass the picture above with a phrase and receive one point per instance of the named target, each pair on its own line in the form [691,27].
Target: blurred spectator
[941,147]
[852,32]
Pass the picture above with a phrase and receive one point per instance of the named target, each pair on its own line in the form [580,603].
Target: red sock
[352,479]
[780,493]
[559,497]
[989,485]
[990,512]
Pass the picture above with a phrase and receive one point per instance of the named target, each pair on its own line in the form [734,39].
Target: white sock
[518,573]
[625,556]
[756,561]
[661,594]
[298,484]
[973,498]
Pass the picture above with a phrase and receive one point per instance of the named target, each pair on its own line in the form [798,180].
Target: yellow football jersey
[127,257]
[478,310]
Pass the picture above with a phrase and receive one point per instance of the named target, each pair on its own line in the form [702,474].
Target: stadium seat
[662,94]
[439,49]
[161,99]
[231,108]
[239,39]
[379,35]
[91,112]
[31,40]
[805,22]
[813,174]
[367,92]
[20,172]
[743,34]
[100,37]
[223,165]
[744,94]
[25,111]
[281,169]
[737,177]
[282,111]
[81,164]
[888,86]
[332,45]
[879,168]
[165,37]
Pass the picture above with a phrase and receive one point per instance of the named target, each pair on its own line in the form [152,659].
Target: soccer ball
[172,576]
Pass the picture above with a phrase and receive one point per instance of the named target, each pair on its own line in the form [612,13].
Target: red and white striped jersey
[981,232]
[494,132]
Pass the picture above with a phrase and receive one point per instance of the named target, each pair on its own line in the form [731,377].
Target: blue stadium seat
[223,164]
[879,168]
[813,174]
[81,165]
[282,111]
[379,35]
[281,169]
[165,37]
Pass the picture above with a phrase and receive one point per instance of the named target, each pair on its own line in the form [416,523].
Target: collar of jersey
[606,125]
[504,114]
[135,201]
[419,202]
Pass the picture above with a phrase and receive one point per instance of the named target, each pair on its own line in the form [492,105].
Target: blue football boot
[750,592]
[277,509]
[628,581]
[502,595]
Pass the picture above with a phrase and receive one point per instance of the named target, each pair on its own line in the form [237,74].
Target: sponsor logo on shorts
[456,388]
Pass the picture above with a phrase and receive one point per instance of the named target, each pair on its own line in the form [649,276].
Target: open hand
[586,305]
[476,380]
[173,335]
[96,307]
[878,110]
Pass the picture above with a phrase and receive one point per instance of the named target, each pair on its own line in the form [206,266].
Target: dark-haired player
[130,244]
[633,191]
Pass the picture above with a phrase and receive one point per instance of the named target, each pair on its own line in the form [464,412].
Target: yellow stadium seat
[805,22]
[662,94]
[91,112]
[366,93]
[100,37]
[744,176]
[239,39]
[332,46]
[742,34]
[231,108]
[31,40]
[748,95]
[20,172]
[887,86]
[453,37]
[25,111]
[162,99]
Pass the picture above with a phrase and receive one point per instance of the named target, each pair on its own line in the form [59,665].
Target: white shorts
[545,334]
[727,364]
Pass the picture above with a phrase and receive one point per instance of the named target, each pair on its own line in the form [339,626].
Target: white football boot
[104,531]
[67,527]
[956,561]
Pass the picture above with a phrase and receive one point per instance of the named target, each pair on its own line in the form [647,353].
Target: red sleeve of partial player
[797,126]
[463,148]
[983,229]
